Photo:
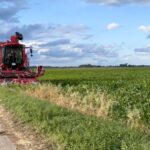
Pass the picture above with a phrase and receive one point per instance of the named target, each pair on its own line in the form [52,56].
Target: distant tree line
[95,66]
[121,65]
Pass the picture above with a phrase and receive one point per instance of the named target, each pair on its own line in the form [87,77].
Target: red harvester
[14,62]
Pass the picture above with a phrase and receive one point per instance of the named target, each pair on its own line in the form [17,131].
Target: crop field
[86,108]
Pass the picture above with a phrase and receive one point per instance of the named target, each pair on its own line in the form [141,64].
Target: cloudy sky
[74,32]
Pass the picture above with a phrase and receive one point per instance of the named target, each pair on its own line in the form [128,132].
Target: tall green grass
[72,130]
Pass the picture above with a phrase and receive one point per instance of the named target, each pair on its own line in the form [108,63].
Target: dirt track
[5,142]
[22,136]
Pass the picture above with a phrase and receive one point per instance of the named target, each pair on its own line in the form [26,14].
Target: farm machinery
[14,62]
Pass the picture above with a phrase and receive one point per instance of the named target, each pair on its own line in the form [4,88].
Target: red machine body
[14,62]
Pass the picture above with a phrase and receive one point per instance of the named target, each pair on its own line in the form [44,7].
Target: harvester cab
[14,62]
[13,57]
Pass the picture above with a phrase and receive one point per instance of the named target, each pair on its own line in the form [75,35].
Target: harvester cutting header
[14,62]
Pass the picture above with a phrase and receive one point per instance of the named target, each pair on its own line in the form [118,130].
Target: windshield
[13,55]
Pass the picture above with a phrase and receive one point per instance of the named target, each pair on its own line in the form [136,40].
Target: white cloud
[118,2]
[143,49]
[56,42]
[105,2]
[144,28]
[112,26]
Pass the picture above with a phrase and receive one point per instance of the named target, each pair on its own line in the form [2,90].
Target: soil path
[5,142]
[16,136]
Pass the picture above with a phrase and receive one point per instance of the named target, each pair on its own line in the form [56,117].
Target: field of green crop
[105,108]
[129,88]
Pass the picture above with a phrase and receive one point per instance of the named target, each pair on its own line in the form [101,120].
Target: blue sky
[74,32]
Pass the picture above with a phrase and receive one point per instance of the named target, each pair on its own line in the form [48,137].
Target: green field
[128,87]
[105,108]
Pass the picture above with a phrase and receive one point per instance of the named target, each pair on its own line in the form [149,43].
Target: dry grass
[134,118]
[135,122]
[94,103]
[105,106]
